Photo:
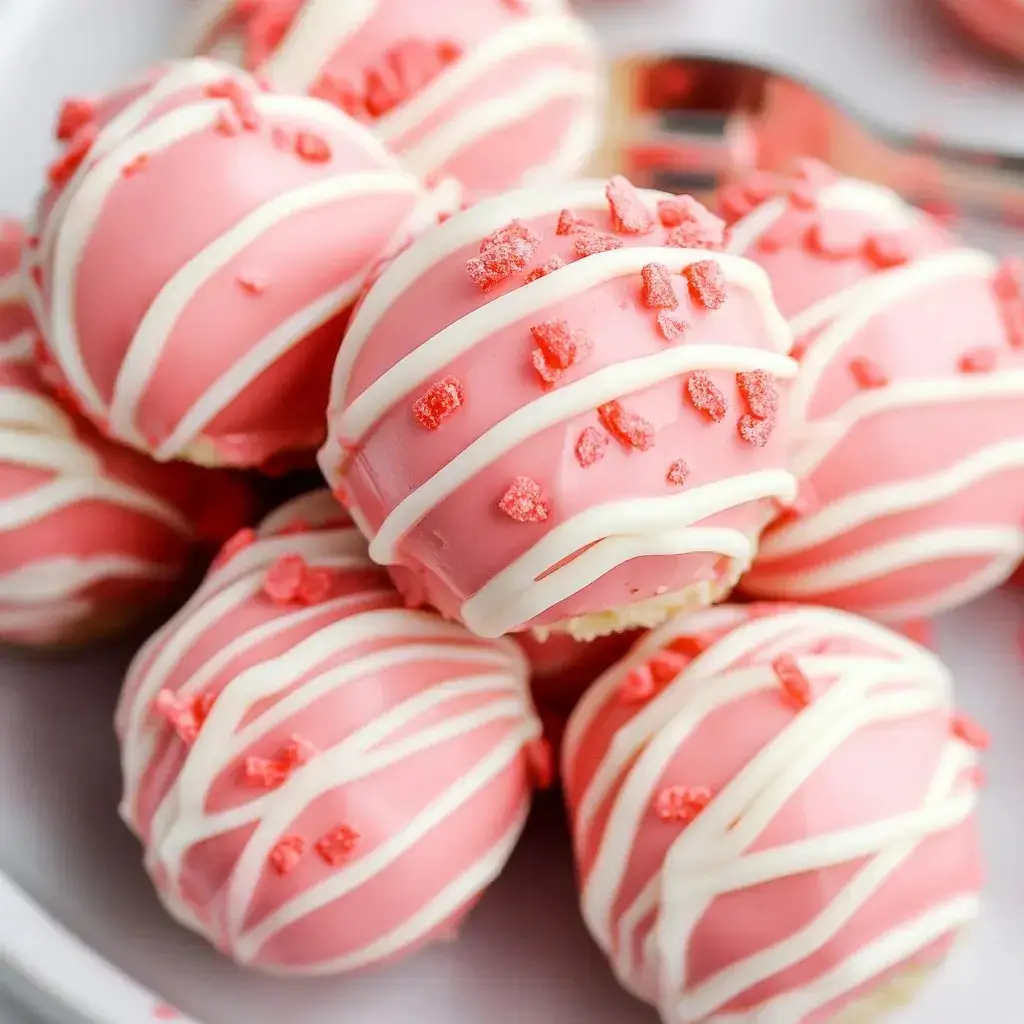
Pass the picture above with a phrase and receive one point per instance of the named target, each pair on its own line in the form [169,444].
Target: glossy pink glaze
[92,535]
[440,737]
[996,23]
[287,286]
[463,542]
[881,770]
[488,92]
[911,565]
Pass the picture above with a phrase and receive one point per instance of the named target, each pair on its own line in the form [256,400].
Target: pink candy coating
[491,92]
[996,23]
[323,779]
[615,530]
[198,261]
[746,855]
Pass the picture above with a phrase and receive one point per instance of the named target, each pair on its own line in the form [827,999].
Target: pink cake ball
[196,256]
[493,92]
[908,412]
[564,409]
[322,778]
[996,23]
[92,535]
[785,831]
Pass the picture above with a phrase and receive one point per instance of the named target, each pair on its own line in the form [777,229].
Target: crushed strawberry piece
[638,686]
[1013,323]
[74,115]
[672,327]
[74,155]
[630,215]
[677,473]
[540,761]
[560,346]
[629,428]
[979,360]
[439,401]
[403,71]
[681,804]
[754,430]
[251,285]
[706,397]
[814,172]
[691,225]
[759,392]
[241,101]
[499,262]
[290,580]
[569,223]
[515,230]
[341,94]
[867,374]
[239,541]
[187,715]
[524,501]
[269,773]
[549,266]
[658,291]
[666,665]
[737,200]
[690,644]
[707,283]
[265,25]
[133,167]
[886,249]
[795,685]
[312,148]
[970,732]
[590,446]
[1008,283]
[336,846]
[588,243]
[286,854]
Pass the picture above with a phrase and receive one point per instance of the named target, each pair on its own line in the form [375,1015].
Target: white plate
[82,938]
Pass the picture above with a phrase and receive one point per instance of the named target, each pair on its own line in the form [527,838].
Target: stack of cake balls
[587,450]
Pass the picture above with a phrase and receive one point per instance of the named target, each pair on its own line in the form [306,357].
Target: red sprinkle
[590,446]
[286,854]
[887,249]
[658,292]
[499,262]
[707,283]
[540,760]
[630,215]
[62,169]
[524,501]
[233,545]
[867,374]
[970,732]
[569,223]
[681,804]
[515,230]
[759,392]
[755,431]
[794,683]
[590,242]
[706,396]
[1008,282]
[548,267]
[631,429]
[672,327]
[335,847]
[979,360]
[140,163]
[312,148]
[677,473]
[692,225]
[439,401]
[74,115]
[186,714]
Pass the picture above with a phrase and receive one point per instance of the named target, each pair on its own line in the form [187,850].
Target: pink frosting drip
[187,196]
[919,338]
[436,784]
[495,153]
[465,540]
[882,770]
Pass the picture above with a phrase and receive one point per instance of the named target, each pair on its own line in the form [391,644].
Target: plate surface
[81,935]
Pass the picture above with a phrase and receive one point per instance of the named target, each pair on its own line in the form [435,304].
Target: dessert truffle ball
[494,92]
[323,779]
[196,256]
[564,410]
[908,413]
[785,830]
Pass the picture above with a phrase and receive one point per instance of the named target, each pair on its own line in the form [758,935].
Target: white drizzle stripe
[616,533]
[318,32]
[708,858]
[429,358]
[463,76]
[457,232]
[500,114]
[457,894]
[46,621]
[52,579]
[157,326]
[557,407]
[19,349]
[870,503]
